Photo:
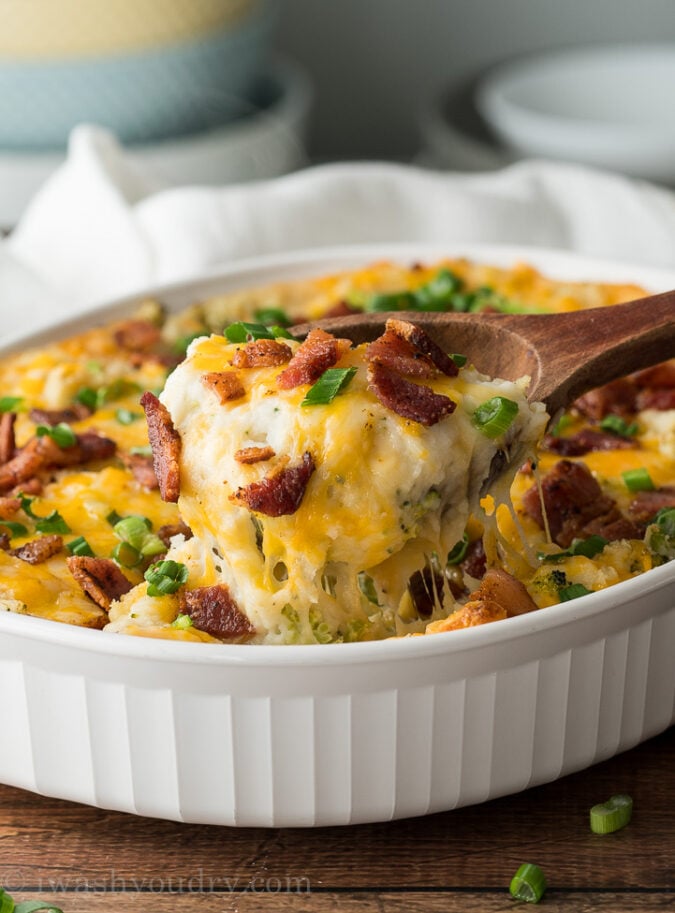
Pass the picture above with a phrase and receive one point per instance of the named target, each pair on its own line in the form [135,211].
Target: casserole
[344,733]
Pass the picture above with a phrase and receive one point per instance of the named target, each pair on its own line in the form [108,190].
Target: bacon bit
[279,494]
[586,441]
[166,446]
[74,413]
[421,342]
[137,335]
[225,384]
[397,354]
[416,402]
[142,468]
[647,503]
[576,506]
[169,530]
[9,507]
[341,309]
[318,352]
[476,612]
[262,353]
[214,610]
[7,437]
[100,578]
[38,550]
[26,464]
[29,487]
[254,455]
[501,587]
[660,376]
[4,542]
[617,398]
[88,447]
[660,399]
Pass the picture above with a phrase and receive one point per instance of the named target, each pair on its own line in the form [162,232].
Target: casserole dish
[263,735]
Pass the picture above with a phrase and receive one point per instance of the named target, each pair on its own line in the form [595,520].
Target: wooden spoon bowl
[564,355]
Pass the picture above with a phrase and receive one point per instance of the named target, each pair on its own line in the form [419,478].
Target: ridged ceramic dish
[344,733]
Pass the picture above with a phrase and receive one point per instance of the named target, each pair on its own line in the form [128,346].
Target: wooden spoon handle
[579,350]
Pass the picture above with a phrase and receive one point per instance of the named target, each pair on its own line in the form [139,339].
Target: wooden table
[86,860]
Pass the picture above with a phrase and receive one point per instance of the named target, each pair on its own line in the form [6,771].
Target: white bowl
[608,106]
[344,733]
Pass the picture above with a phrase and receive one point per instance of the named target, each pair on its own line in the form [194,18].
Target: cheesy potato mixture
[317,492]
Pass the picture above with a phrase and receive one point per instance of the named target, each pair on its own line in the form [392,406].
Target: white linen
[100,229]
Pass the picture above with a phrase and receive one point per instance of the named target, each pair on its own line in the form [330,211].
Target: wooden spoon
[564,354]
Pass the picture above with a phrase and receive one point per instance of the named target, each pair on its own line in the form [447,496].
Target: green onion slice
[495,416]
[638,480]
[616,425]
[182,622]
[165,577]
[270,317]
[10,403]
[573,591]
[62,434]
[246,332]
[181,345]
[327,387]
[137,532]
[127,417]
[280,332]
[80,546]
[459,360]
[563,422]
[612,815]
[88,397]
[457,553]
[52,523]
[367,587]
[589,548]
[126,555]
[14,529]
[528,884]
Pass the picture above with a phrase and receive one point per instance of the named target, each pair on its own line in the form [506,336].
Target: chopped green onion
[612,815]
[398,301]
[458,551]
[245,332]
[10,403]
[528,884]
[127,417]
[563,422]
[327,387]
[495,416]
[616,425]
[126,555]
[137,532]
[573,591]
[7,905]
[459,360]
[272,317]
[117,389]
[665,520]
[62,434]
[182,622]
[367,587]
[589,548]
[437,294]
[165,577]
[638,480]
[280,332]
[181,345]
[52,523]
[80,546]
[88,397]
[113,517]
[14,529]
[141,451]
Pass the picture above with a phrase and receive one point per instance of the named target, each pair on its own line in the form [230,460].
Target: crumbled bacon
[317,353]
[254,455]
[9,507]
[659,377]
[7,437]
[100,578]
[576,506]
[38,550]
[342,309]
[280,493]
[617,398]
[585,441]
[4,542]
[501,587]
[661,399]
[74,413]
[142,468]
[137,335]
[26,464]
[225,384]
[166,446]
[213,609]
[421,342]
[169,530]
[412,401]
[646,504]
[262,353]
[399,355]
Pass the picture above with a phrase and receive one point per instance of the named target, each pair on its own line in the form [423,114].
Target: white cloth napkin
[100,229]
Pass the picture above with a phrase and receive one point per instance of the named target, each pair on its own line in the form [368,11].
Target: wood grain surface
[86,860]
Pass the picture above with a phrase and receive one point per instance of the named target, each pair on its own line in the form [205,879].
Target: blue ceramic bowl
[142,95]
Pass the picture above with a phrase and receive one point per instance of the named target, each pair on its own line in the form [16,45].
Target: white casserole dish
[344,733]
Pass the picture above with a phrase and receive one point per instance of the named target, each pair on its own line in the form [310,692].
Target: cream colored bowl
[344,733]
